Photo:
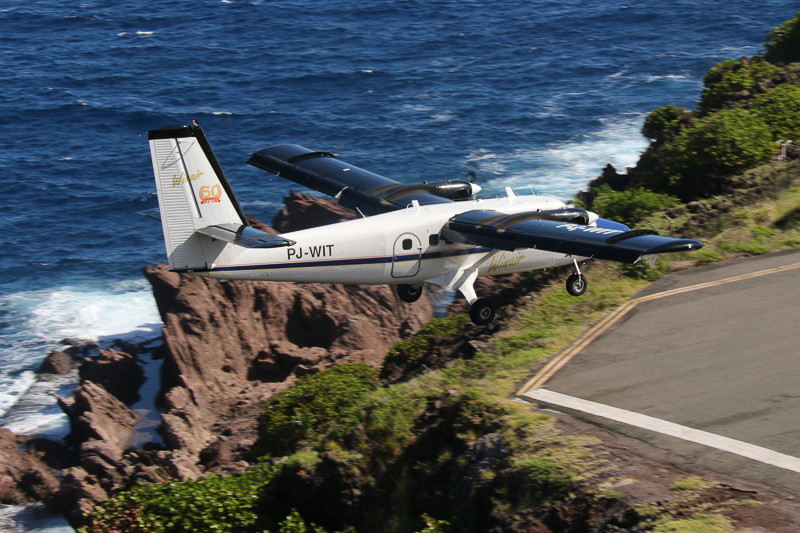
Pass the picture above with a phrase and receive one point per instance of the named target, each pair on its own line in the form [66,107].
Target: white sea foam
[92,314]
[563,170]
[31,519]
[41,319]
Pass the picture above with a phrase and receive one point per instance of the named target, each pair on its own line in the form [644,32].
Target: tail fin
[193,195]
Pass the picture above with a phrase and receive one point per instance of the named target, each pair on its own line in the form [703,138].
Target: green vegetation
[747,106]
[699,523]
[212,503]
[780,108]
[316,404]
[417,346]
[784,42]
[631,206]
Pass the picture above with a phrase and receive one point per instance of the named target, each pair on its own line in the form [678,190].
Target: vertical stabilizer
[193,194]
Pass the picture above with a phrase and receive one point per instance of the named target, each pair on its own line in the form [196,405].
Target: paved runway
[722,358]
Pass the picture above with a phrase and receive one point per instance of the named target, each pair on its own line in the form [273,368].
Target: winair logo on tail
[177,181]
[501,262]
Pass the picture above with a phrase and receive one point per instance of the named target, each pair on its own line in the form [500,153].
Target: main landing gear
[482,310]
[409,293]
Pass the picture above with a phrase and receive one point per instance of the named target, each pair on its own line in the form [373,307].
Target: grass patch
[700,523]
[691,483]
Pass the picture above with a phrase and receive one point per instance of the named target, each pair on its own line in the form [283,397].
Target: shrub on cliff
[731,81]
[784,42]
[780,109]
[630,206]
[417,346]
[729,141]
[212,503]
[665,123]
[313,406]
[695,162]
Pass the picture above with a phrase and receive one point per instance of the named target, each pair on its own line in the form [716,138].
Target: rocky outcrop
[230,347]
[303,211]
[24,475]
[101,428]
[96,414]
[58,362]
[234,344]
[117,372]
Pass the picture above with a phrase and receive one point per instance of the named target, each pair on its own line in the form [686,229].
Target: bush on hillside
[780,109]
[695,162]
[784,42]
[729,141]
[731,81]
[211,503]
[417,346]
[630,206]
[665,123]
[314,405]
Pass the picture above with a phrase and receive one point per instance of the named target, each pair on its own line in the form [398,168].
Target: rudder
[193,194]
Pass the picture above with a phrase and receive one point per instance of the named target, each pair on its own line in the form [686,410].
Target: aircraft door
[407,256]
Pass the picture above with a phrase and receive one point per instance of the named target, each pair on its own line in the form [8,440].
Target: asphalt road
[724,359]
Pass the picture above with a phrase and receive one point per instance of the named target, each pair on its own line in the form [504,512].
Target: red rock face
[24,476]
[231,346]
[234,344]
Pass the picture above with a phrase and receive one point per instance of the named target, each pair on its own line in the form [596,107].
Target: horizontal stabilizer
[512,232]
[245,236]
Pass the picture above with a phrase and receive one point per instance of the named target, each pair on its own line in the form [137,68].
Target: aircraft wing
[355,188]
[531,230]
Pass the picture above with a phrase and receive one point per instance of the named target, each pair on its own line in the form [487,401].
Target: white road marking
[751,451]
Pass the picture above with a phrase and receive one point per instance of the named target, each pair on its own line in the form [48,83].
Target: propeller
[472,176]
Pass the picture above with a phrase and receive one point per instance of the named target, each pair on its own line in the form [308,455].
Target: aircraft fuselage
[396,247]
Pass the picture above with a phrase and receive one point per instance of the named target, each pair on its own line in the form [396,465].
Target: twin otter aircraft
[406,234]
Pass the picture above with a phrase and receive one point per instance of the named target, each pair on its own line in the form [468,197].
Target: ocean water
[534,95]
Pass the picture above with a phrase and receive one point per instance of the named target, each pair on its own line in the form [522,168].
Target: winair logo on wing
[177,180]
[502,262]
[588,229]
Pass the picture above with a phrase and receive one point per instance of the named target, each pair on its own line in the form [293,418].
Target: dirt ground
[647,474]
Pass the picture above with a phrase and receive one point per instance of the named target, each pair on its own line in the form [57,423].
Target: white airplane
[406,234]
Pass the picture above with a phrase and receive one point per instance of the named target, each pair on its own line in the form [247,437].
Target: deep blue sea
[537,95]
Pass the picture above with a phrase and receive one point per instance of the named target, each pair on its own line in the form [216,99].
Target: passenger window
[406,244]
[433,240]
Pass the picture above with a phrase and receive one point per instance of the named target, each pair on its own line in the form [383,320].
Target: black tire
[482,311]
[576,284]
[409,293]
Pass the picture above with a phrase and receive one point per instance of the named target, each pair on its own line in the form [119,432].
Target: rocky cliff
[230,347]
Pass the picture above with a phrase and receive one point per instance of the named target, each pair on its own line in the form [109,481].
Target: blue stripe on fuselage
[358,261]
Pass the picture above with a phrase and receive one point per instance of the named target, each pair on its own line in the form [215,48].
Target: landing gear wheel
[576,284]
[482,311]
[409,293]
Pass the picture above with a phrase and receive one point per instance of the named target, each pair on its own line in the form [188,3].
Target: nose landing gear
[576,283]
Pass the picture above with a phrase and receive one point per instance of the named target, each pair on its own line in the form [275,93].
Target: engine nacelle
[453,189]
